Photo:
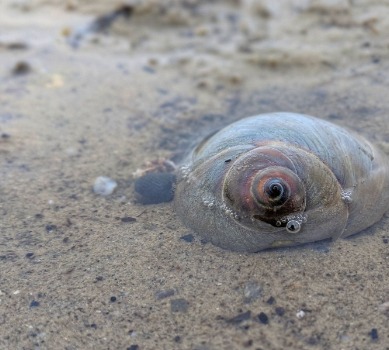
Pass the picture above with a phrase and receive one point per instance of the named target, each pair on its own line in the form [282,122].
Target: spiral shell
[281,179]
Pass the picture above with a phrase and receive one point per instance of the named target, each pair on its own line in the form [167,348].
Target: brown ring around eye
[275,192]
[278,191]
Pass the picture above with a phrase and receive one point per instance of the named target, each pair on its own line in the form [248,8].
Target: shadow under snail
[281,179]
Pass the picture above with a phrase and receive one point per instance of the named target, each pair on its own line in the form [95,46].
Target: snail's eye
[276,191]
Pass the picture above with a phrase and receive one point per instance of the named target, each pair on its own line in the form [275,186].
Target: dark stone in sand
[162,294]
[188,238]
[21,68]
[50,228]
[133,347]
[30,256]
[154,188]
[127,219]
[373,334]
[34,303]
[280,311]
[240,318]
[262,318]
[179,305]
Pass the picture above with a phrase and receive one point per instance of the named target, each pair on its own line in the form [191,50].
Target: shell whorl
[262,184]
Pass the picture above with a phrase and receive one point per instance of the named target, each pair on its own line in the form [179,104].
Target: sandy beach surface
[86,92]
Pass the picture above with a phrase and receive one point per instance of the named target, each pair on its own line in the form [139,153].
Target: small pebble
[30,255]
[113,299]
[154,188]
[300,314]
[21,68]
[188,238]
[127,219]
[177,338]
[263,318]
[179,305]
[280,311]
[50,228]
[162,294]
[240,318]
[104,186]
[34,303]
[271,301]
[373,334]
[133,347]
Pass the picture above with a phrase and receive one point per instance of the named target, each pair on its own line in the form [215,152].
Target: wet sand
[77,272]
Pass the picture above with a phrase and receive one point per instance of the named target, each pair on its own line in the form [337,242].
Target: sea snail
[281,179]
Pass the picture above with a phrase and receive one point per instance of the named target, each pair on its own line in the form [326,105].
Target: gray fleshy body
[343,183]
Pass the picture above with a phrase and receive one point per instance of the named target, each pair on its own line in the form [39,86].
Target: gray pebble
[162,294]
[240,318]
[179,305]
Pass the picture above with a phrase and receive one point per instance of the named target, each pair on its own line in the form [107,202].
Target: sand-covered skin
[77,272]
